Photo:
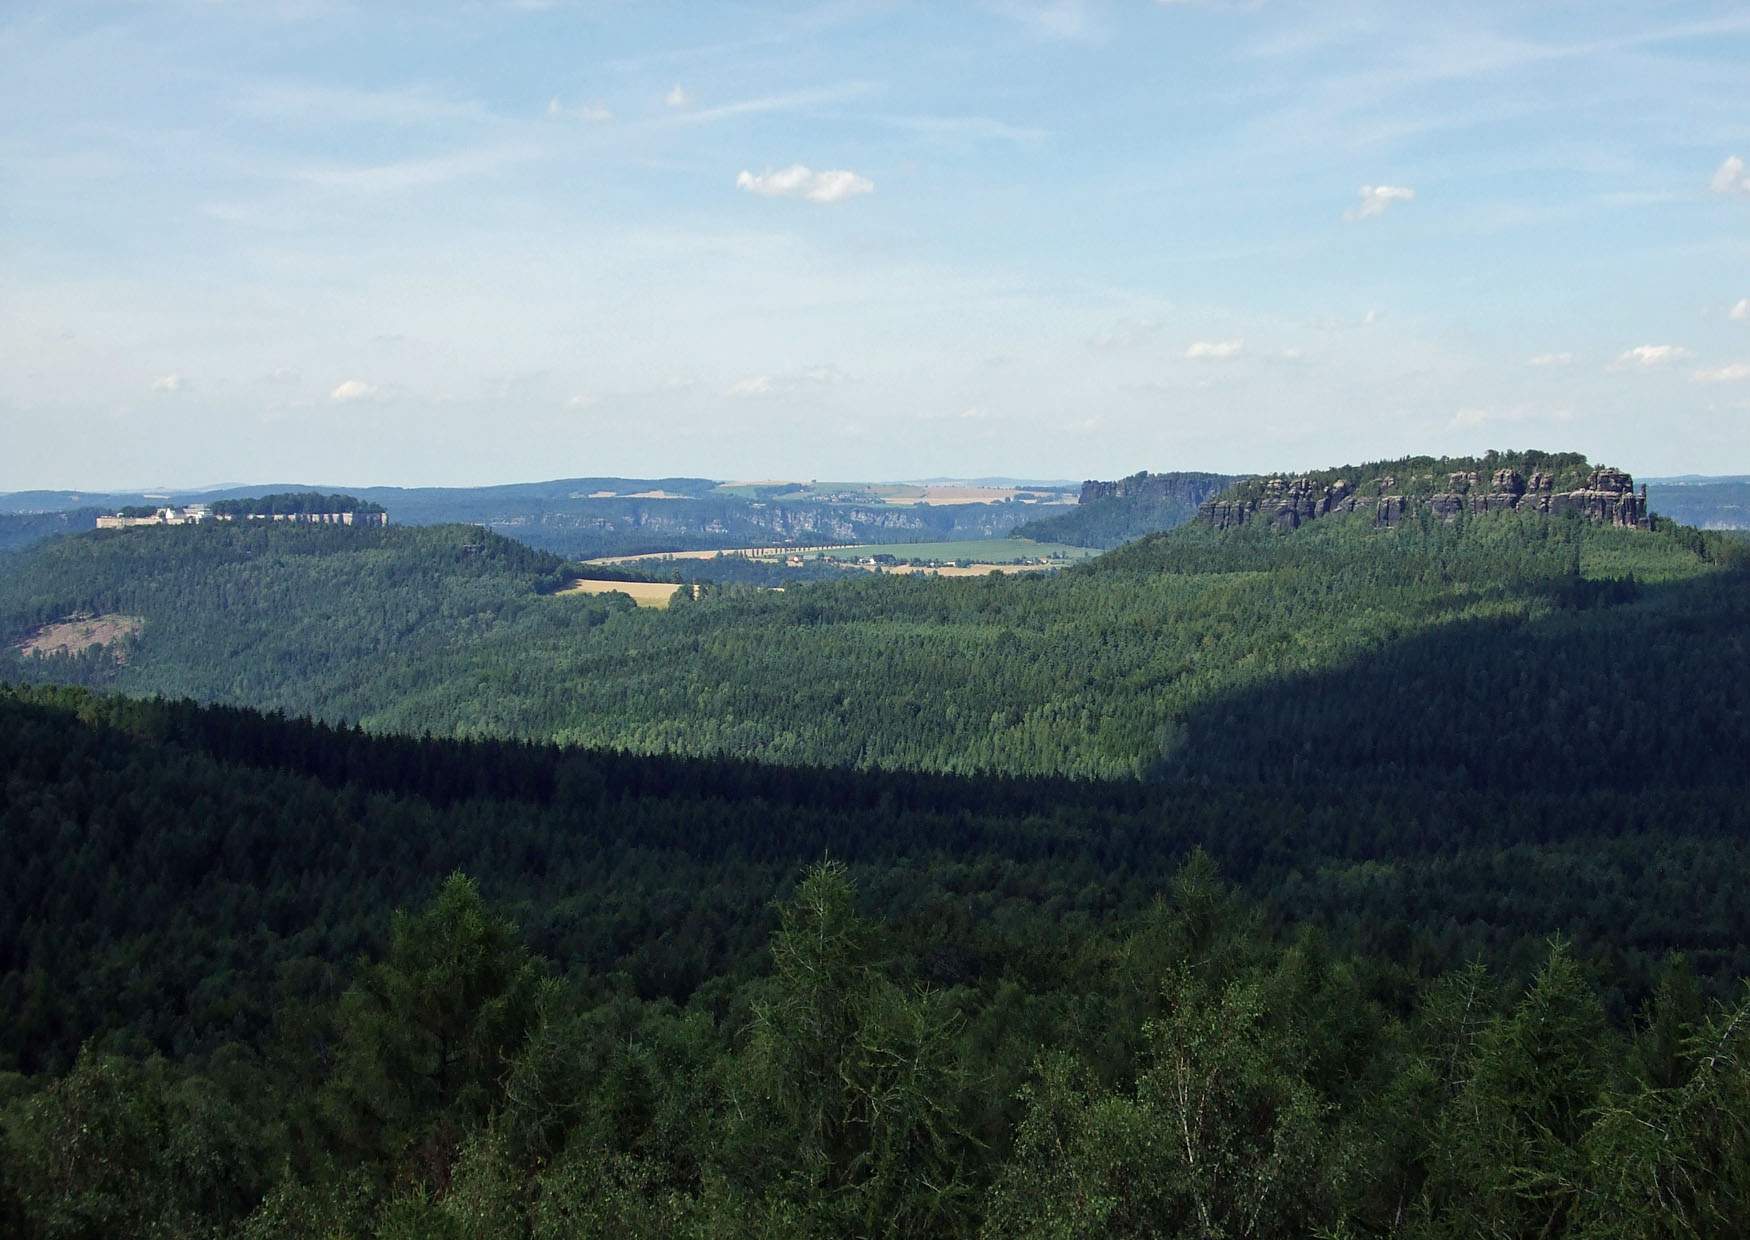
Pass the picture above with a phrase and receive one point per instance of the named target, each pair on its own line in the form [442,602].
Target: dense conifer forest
[1341,882]
[690,997]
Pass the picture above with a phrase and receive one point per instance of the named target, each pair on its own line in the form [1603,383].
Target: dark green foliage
[168,873]
[292,503]
[1274,1088]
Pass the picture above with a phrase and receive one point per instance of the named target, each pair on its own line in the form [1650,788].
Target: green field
[979,551]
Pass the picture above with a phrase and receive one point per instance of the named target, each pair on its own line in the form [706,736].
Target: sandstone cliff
[1604,495]
[1110,513]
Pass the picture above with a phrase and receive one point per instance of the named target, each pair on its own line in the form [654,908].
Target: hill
[1110,513]
[587,517]
[20,530]
[1706,503]
[1138,665]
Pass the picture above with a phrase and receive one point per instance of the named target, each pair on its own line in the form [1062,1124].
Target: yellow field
[644,593]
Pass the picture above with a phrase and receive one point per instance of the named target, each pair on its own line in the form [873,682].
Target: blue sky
[456,243]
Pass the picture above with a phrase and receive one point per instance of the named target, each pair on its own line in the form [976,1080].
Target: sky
[384,242]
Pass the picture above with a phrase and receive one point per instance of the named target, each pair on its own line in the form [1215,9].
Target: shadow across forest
[1461,794]
[1622,686]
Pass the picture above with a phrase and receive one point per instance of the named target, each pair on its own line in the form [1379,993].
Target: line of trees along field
[1012,1007]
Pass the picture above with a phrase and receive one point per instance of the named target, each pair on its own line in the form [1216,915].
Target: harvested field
[643,593]
[748,552]
[78,633]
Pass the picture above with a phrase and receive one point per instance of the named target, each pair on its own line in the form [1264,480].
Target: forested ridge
[1011,1007]
[1197,651]
[1343,882]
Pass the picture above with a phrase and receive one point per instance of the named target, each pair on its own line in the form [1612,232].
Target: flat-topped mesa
[1189,488]
[1604,495]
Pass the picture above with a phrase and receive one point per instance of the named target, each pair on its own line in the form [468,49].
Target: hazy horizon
[441,244]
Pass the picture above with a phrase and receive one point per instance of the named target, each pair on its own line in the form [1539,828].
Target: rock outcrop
[1607,496]
[1188,488]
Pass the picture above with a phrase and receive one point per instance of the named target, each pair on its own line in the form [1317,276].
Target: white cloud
[1647,356]
[1729,178]
[1551,359]
[1736,372]
[583,400]
[168,383]
[804,378]
[800,181]
[1216,350]
[353,389]
[590,113]
[1741,311]
[1375,199]
[677,97]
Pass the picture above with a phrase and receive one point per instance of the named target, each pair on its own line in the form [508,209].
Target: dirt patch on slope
[77,633]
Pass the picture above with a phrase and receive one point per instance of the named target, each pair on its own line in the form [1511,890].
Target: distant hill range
[1109,513]
[585,517]
[1706,503]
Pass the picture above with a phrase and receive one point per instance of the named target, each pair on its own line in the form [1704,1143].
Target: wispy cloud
[968,128]
[1736,372]
[1214,350]
[1126,334]
[1377,199]
[800,181]
[1647,356]
[307,103]
[1550,359]
[793,101]
[591,113]
[1509,415]
[1741,311]
[1071,21]
[677,97]
[168,383]
[418,173]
